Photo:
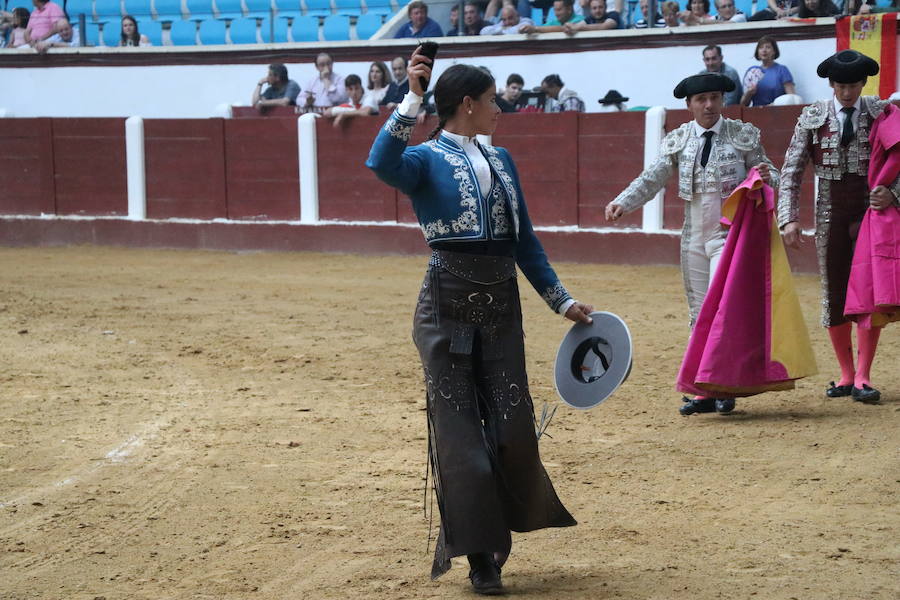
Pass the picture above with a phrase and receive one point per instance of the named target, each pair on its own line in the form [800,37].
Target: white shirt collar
[838,106]
[462,140]
[699,131]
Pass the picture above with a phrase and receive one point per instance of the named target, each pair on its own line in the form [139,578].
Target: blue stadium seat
[93,34]
[30,6]
[348,8]
[242,31]
[73,9]
[183,33]
[288,9]
[318,8]
[305,29]
[139,9]
[168,10]
[108,11]
[367,25]
[258,8]
[281,30]
[537,15]
[746,6]
[212,32]
[152,29]
[200,9]
[379,7]
[229,9]
[112,34]
[336,28]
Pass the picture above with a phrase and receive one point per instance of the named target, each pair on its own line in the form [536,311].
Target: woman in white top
[379,85]
[130,34]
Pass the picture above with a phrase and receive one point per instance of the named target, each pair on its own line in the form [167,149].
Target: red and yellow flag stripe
[874,35]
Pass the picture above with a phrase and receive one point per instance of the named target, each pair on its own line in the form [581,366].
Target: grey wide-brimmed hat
[593,360]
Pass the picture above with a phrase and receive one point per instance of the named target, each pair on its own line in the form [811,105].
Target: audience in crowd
[509,21]
[563,13]
[762,84]
[670,10]
[281,91]
[130,34]
[354,106]
[712,58]
[645,12]
[776,9]
[597,19]
[66,36]
[613,101]
[508,100]
[728,13]
[809,9]
[420,24]
[473,22]
[561,99]
[325,89]
[697,13]
[378,87]
[42,21]
[394,96]
[16,23]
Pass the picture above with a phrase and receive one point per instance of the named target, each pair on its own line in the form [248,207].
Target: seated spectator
[379,85]
[130,34]
[715,63]
[563,11]
[281,91]
[325,89]
[561,98]
[65,37]
[509,22]
[776,9]
[613,101]
[510,97]
[420,24]
[645,11]
[598,19]
[354,106]
[864,7]
[670,10]
[42,21]
[395,95]
[473,23]
[727,13]
[762,84]
[697,13]
[18,23]
[811,9]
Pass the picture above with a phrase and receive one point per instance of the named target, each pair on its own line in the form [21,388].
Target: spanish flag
[874,35]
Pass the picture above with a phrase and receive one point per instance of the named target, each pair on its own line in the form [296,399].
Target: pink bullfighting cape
[873,294]
[750,336]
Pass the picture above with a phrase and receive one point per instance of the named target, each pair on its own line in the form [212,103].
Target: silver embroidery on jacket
[555,295]
[468,219]
[399,129]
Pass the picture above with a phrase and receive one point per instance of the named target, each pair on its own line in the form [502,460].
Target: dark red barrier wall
[185,162]
[89,166]
[26,167]
[261,169]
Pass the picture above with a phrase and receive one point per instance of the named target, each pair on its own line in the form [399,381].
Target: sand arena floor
[213,425]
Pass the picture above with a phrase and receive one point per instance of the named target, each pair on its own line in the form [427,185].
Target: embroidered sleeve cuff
[555,296]
[409,108]
[564,307]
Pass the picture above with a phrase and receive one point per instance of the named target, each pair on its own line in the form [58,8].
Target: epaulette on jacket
[676,139]
[743,136]
[814,115]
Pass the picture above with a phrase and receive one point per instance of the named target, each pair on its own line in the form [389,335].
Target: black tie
[847,133]
[707,146]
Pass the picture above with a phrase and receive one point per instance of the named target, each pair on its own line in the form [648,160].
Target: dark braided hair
[452,86]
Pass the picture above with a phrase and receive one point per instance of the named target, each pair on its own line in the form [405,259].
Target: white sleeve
[410,106]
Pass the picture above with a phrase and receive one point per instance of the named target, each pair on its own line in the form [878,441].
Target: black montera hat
[704,82]
[612,97]
[847,66]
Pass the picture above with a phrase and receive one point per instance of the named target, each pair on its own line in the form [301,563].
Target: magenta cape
[873,293]
[750,336]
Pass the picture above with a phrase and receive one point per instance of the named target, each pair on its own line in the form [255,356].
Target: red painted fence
[570,166]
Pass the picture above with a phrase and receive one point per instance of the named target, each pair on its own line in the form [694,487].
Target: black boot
[484,573]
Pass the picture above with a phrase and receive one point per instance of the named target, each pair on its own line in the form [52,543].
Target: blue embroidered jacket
[450,205]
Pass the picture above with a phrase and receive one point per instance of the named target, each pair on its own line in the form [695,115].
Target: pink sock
[843,350]
[867,342]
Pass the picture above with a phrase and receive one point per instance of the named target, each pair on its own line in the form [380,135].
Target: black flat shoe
[839,391]
[485,575]
[695,406]
[866,395]
[724,405]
